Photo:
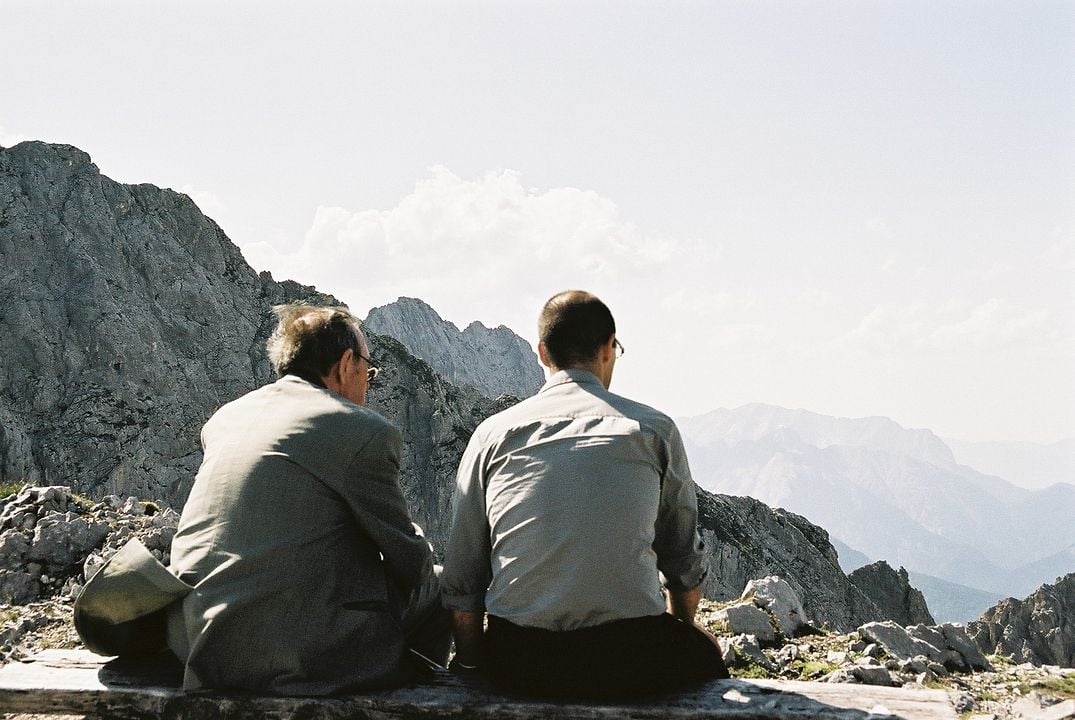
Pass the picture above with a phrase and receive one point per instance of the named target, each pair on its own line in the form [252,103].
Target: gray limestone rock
[928,634]
[892,593]
[1039,629]
[747,651]
[746,619]
[496,361]
[776,596]
[897,642]
[970,656]
[873,675]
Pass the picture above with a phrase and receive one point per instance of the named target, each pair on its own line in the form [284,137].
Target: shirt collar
[572,375]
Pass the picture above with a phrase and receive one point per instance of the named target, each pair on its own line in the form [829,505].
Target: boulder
[873,675]
[892,593]
[959,642]
[746,619]
[745,651]
[897,642]
[774,595]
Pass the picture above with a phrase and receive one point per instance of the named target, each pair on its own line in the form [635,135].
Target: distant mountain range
[1028,465]
[889,493]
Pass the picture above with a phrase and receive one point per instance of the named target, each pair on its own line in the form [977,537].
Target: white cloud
[1060,254]
[994,271]
[956,327]
[8,138]
[704,301]
[462,244]
[816,297]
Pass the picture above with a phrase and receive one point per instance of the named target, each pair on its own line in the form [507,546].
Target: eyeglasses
[371,371]
[618,347]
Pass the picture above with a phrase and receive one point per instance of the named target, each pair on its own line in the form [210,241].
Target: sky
[856,208]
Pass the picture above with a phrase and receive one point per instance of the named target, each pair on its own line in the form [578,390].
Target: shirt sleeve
[467,567]
[679,548]
[381,510]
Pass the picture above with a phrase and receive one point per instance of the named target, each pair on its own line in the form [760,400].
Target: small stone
[964,702]
[915,665]
[873,675]
[938,669]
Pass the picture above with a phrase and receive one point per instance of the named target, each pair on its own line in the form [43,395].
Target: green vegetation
[10,488]
[1059,686]
[752,671]
[812,669]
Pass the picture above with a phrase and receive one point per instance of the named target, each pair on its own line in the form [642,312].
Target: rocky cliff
[746,539]
[892,593]
[130,317]
[496,361]
[1039,629]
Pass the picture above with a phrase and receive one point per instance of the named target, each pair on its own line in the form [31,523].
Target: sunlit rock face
[892,593]
[1039,629]
[496,361]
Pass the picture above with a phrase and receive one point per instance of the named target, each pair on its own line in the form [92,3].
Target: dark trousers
[620,659]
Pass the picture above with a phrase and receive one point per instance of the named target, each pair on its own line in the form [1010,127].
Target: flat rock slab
[77,681]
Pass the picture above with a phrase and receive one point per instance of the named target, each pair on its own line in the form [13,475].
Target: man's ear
[543,354]
[334,378]
[608,350]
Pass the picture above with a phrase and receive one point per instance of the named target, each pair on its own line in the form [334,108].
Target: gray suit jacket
[298,544]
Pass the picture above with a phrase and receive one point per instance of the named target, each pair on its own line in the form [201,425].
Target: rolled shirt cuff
[687,579]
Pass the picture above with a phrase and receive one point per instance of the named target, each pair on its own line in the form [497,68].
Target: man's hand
[467,629]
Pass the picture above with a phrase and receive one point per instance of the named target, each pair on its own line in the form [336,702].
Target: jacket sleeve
[467,566]
[381,510]
[680,551]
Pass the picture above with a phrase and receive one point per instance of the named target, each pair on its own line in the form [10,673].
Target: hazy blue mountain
[952,602]
[1028,465]
[889,492]
[850,558]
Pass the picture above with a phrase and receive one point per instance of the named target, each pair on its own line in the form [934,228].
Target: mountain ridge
[887,492]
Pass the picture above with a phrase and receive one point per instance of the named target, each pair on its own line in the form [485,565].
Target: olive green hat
[121,610]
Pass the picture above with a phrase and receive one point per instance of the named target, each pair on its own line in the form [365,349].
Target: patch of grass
[813,668]
[11,488]
[752,671]
[1060,686]
[1000,660]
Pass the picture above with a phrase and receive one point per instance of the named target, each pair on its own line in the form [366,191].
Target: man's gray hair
[309,340]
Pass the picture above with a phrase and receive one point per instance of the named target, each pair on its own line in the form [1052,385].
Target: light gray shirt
[566,507]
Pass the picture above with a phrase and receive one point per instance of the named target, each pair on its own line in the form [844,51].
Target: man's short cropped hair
[573,325]
[309,340]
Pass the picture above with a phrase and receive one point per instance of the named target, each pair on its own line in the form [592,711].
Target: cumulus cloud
[992,325]
[459,243]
